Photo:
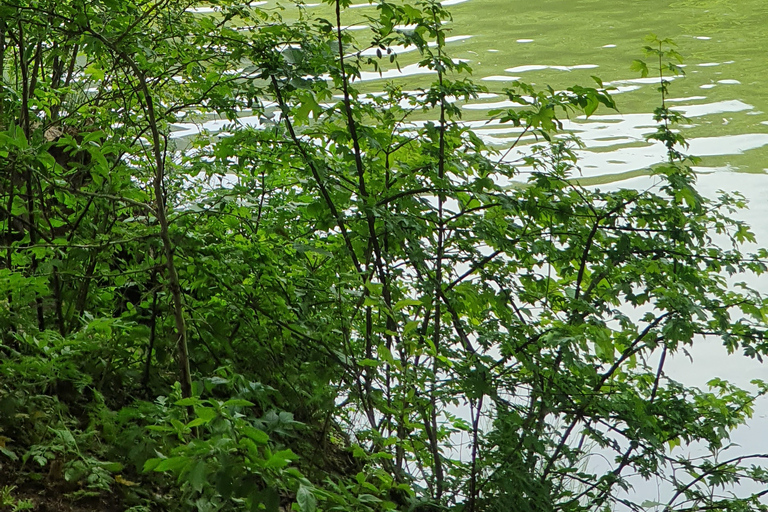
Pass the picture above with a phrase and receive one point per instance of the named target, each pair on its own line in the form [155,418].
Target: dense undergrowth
[340,301]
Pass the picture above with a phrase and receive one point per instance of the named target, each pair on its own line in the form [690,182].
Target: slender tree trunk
[472,499]
[36,69]
[438,463]
[152,334]
[158,152]
[71,68]
[29,178]
[82,297]
[10,172]
[3,27]
[185,374]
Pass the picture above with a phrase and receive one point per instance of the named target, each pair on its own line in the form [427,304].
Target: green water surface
[724,43]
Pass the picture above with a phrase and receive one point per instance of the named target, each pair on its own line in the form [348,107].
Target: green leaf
[95,72]
[112,467]
[161,428]
[8,453]
[197,422]
[206,413]
[238,402]
[306,499]
[280,459]
[640,67]
[402,304]
[186,402]
[410,327]
[256,435]
[173,464]
[198,476]
[151,464]
[368,498]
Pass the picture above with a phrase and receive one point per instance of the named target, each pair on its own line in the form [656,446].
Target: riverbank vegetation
[229,280]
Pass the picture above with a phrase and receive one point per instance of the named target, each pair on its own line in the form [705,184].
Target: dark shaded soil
[47,494]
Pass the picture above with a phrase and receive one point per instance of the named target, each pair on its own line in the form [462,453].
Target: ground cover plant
[338,300]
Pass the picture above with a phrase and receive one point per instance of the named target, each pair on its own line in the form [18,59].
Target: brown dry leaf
[53,133]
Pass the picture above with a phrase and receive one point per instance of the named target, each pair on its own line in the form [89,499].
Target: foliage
[316,302]
[8,502]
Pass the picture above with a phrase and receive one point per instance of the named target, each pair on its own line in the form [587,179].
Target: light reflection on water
[539,67]
[564,42]
[708,358]
[723,95]
[569,37]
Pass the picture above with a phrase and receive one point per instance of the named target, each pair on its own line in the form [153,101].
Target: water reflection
[538,67]
[716,37]
[209,9]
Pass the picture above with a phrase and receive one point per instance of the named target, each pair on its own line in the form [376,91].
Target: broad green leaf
[256,435]
[238,402]
[305,499]
[173,464]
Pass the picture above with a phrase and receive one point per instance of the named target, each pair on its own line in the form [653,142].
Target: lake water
[564,42]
